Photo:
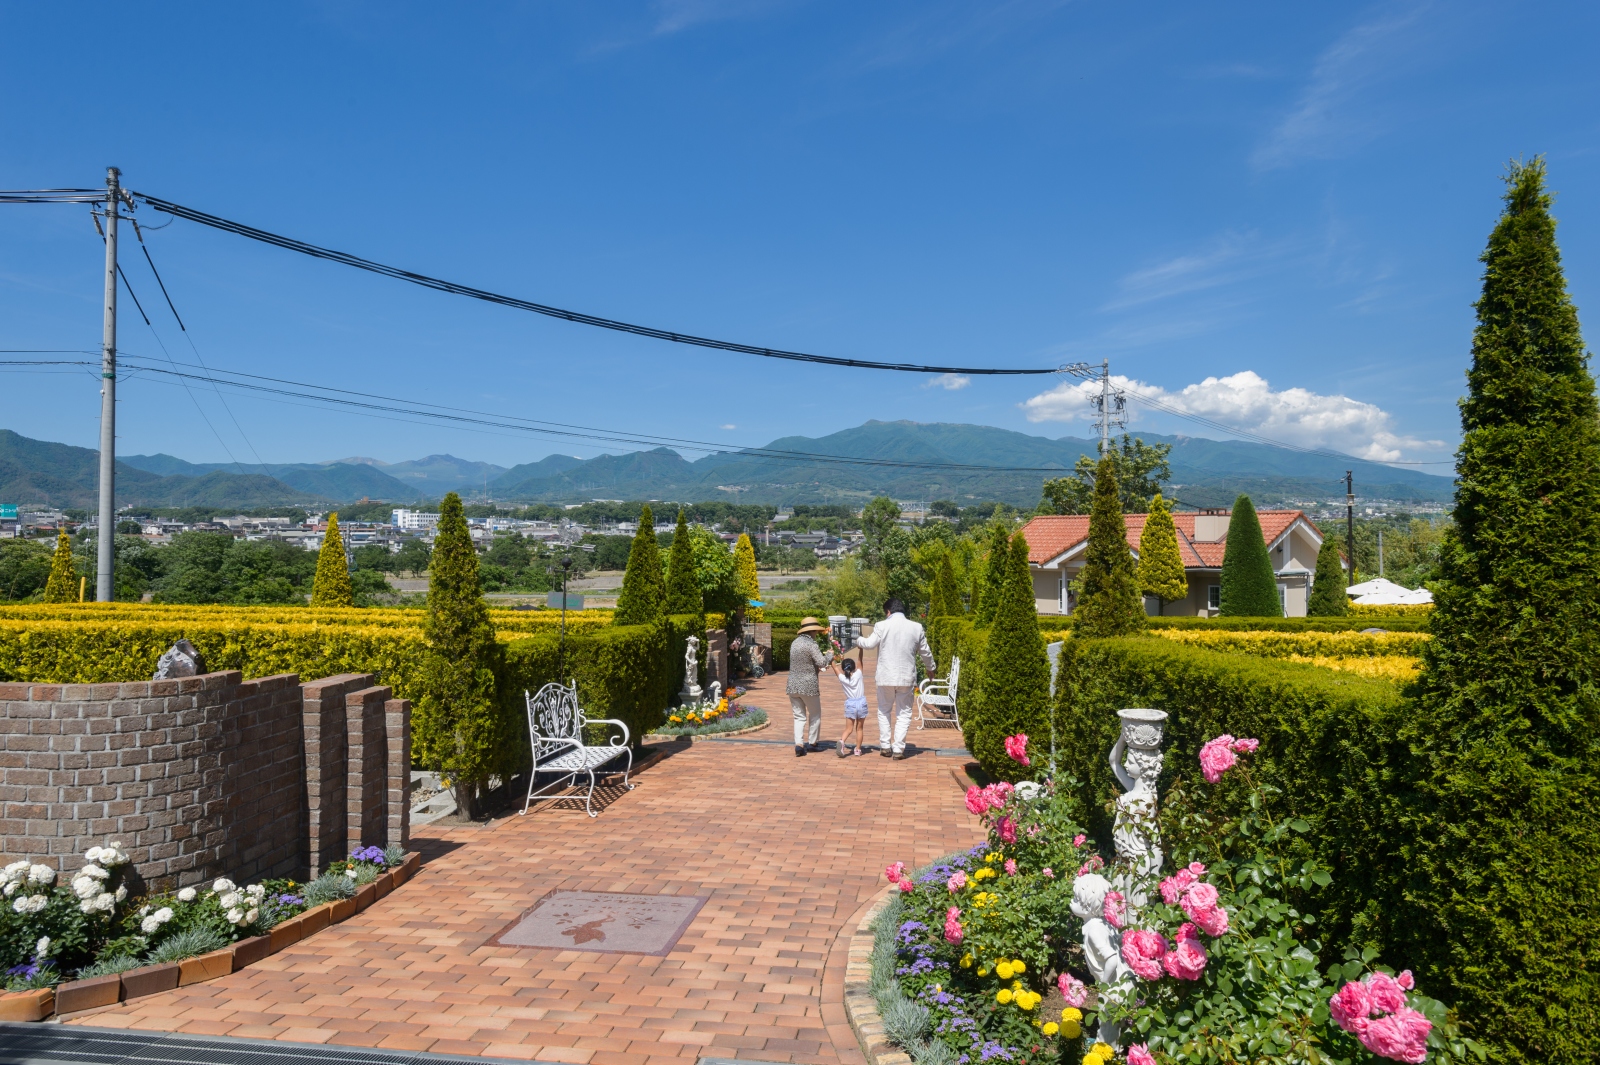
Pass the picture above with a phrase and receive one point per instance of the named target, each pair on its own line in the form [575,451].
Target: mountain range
[1204,473]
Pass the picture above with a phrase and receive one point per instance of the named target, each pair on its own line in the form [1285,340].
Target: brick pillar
[367,778]
[717,657]
[327,746]
[397,714]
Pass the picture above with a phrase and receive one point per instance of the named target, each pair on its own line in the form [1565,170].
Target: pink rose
[1351,1007]
[1072,990]
[952,926]
[1198,897]
[1139,1054]
[1187,959]
[1217,757]
[1406,980]
[1011,867]
[1094,862]
[906,886]
[977,802]
[1114,909]
[957,881]
[1077,841]
[894,872]
[1384,992]
[1197,869]
[1401,1036]
[1213,922]
[1017,748]
[995,795]
[1246,746]
[1007,829]
[1143,950]
[1173,887]
[1049,874]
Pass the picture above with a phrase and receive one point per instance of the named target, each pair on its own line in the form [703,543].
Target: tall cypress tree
[62,586]
[683,589]
[644,590]
[744,566]
[1161,572]
[944,599]
[458,727]
[1501,835]
[1249,585]
[990,578]
[1327,586]
[332,584]
[1013,689]
[1109,603]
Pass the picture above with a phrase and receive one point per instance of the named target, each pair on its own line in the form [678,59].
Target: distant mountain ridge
[339,482]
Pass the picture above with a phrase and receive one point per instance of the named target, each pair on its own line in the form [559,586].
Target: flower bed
[66,948]
[991,955]
[706,718]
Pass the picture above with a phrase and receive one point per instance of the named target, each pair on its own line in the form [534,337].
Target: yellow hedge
[1399,610]
[1301,644]
[1400,669]
[529,622]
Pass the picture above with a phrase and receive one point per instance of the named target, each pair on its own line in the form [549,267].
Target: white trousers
[807,718]
[894,702]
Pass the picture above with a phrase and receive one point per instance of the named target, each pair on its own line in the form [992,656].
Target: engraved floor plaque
[603,922]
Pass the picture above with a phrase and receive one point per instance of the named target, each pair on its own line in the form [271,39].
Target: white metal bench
[936,699]
[555,732]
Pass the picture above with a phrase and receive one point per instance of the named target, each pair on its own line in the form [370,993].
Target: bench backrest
[554,719]
[955,676]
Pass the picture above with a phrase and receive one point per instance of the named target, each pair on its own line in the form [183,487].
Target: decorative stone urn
[1136,760]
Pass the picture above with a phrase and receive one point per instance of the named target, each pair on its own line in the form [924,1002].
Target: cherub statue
[1136,760]
[1102,945]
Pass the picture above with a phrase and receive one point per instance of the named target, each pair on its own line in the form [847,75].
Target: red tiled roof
[1051,535]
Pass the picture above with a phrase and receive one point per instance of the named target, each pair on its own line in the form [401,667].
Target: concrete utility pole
[1111,404]
[1350,522]
[104,584]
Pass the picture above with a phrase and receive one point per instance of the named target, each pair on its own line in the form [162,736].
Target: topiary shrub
[683,589]
[332,584]
[1011,692]
[644,588]
[62,587]
[1109,603]
[1161,573]
[1249,586]
[1328,599]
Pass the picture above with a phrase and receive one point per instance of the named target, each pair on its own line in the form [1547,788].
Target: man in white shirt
[899,641]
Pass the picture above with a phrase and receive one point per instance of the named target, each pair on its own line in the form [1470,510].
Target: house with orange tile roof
[1056,545]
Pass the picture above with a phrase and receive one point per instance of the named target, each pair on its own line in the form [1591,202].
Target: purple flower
[289,900]
[373,855]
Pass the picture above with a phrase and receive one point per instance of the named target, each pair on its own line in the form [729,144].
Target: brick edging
[859,1003]
[40,1005]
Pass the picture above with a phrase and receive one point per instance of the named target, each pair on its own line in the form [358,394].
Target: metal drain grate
[62,1044]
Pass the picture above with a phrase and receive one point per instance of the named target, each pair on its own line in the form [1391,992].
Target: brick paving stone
[789,852]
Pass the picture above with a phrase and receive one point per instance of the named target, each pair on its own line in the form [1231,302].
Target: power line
[240,229]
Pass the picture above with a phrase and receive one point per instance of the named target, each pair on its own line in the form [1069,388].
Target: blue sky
[1267,214]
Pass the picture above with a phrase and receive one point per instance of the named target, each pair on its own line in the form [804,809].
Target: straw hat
[811,625]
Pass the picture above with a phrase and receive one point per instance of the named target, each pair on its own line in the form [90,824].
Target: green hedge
[1324,744]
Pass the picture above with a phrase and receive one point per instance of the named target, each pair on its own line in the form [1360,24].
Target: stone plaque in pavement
[604,922]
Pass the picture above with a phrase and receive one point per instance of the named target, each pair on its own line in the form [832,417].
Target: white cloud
[1246,401]
[1233,257]
[1327,118]
[950,382]
[730,427]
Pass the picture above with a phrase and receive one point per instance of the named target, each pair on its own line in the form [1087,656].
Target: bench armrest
[612,721]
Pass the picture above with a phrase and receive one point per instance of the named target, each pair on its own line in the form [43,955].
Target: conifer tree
[1327,586]
[1161,572]
[62,587]
[744,562]
[457,726]
[1502,835]
[683,588]
[989,578]
[1109,603]
[644,589]
[944,600]
[1249,586]
[1013,689]
[332,584]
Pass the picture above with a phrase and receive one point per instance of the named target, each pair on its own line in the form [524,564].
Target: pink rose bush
[1017,748]
[1143,950]
[1011,867]
[957,881]
[1114,909]
[1375,1011]
[893,873]
[1072,990]
[1139,1054]
[1221,754]
[952,926]
[1186,960]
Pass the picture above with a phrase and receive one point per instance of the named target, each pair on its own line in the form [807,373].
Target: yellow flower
[1104,1050]
[983,972]
[1003,970]
[966,961]
[1018,967]
[991,856]
[1093,1059]
[1027,999]
[1051,1028]
[1072,1013]
[1003,995]
[1071,1029]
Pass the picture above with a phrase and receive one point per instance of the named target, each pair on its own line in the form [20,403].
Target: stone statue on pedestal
[691,671]
[1102,946]
[180,660]
[1136,760]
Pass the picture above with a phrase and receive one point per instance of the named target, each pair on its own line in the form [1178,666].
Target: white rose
[93,854]
[87,905]
[187,894]
[10,890]
[42,948]
[351,873]
[250,918]
[21,904]
[85,887]
[37,902]
[41,874]
[149,925]
[164,914]
[230,900]
[235,916]
[94,871]
[15,871]
[255,890]
[122,892]
[222,885]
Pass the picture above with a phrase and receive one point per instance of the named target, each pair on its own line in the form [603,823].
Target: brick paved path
[788,850]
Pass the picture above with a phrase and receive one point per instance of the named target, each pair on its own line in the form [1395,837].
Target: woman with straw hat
[806,660]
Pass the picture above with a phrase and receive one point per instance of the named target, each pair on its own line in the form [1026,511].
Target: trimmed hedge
[528,621]
[1310,644]
[1397,623]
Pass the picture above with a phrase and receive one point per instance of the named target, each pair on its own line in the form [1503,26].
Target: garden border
[860,1005]
[98,992]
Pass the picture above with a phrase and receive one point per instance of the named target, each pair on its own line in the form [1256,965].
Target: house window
[1214,597]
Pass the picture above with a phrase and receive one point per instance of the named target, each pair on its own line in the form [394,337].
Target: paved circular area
[787,850]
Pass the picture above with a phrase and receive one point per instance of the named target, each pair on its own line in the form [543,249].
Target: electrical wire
[347,259]
[53,196]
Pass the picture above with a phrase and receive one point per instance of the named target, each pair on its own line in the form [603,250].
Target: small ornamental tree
[1014,682]
[1500,837]
[990,577]
[1109,603]
[1249,587]
[945,598]
[1161,572]
[644,590]
[458,728]
[744,563]
[1327,587]
[683,588]
[62,587]
[332,584]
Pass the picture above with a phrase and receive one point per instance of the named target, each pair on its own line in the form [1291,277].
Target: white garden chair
[555,732]
[936,699]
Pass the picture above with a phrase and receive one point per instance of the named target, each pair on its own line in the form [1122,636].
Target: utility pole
[1380,551]
[1350,522]
[104,585]
[1111,404]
